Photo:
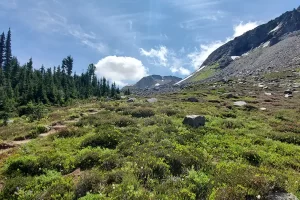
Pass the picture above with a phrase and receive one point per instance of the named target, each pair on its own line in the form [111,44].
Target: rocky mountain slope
[153,83]
[269,47]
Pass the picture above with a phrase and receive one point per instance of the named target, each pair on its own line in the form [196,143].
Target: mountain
[268,47]
[155,81]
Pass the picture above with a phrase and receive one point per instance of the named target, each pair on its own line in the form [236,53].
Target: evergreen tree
[8,55]
[2,48]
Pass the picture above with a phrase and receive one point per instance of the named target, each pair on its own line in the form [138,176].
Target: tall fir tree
[8,54]
[2,48]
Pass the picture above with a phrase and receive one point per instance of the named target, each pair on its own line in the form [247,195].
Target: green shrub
[34,112]
[107,139]
[252,157]
[90,181]
[142,112]
[88,158]
[199,183]
[70,132]
[169,111]
[232,124]
[124,122]
[26,165]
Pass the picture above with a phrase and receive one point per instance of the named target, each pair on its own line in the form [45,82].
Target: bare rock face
[192,99]
[194,121]
[131,100]
[152,100]
[282,196]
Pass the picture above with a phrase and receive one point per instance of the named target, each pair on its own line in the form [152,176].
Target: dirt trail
[6,146]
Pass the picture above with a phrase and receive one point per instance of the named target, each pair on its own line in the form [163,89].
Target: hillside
[271,46]
[248,148]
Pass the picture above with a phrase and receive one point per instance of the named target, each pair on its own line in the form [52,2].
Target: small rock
[229,95]
[261,85]
[240,103]
[263,109]
[288,95]
[268,93]
[281,196]
[123,97]
[152,100]
[192,99]
[131,100]
[194,121]
[288,92]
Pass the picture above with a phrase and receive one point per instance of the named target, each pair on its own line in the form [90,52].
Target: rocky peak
[269,32]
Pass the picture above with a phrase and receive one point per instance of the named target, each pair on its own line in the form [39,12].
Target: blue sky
[128,39]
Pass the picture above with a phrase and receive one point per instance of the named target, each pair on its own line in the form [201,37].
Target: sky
[129,39]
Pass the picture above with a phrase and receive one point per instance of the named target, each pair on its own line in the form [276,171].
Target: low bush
[124,122]
[232,124]
[26,165]
[70,132]
[34,112]
[169,111]
[88,158]
[107,139]
[252,157]
[142,112]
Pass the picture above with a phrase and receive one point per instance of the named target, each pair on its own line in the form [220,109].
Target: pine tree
[8,55]
[2,48]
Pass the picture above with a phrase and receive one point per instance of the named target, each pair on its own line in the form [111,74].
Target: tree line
[22,84]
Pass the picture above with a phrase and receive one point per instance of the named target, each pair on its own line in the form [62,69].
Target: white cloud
[177,67]
[159,56]
[241,28]
[121,69]
[200,55]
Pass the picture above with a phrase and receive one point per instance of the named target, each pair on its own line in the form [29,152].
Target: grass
[143,151]
[205,73]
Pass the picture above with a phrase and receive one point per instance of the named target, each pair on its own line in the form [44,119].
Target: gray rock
[288,92]
[123,97]
[152,100]
[194,121]
[229,95]
[131,100]
[240,103]
[268,93]
[288,95]
[281,196]
[192,99]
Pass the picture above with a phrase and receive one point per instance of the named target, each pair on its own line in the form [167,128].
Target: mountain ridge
[262,38]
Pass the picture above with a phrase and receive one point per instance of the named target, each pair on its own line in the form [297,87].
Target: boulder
[263,109]
[281,196]
[123,97]
[194,121]
[152,100]
[240,103]
[288,95]
[131,100]
[268,93]
[192,99]
[288,92]
[229,95]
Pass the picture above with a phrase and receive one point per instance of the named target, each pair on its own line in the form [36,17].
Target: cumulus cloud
[166,58]
[242,28]
[159,55]
[121,69]
[199,55]
[177,67]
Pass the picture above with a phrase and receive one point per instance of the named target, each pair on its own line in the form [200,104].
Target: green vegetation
[120,150]
[205,73]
